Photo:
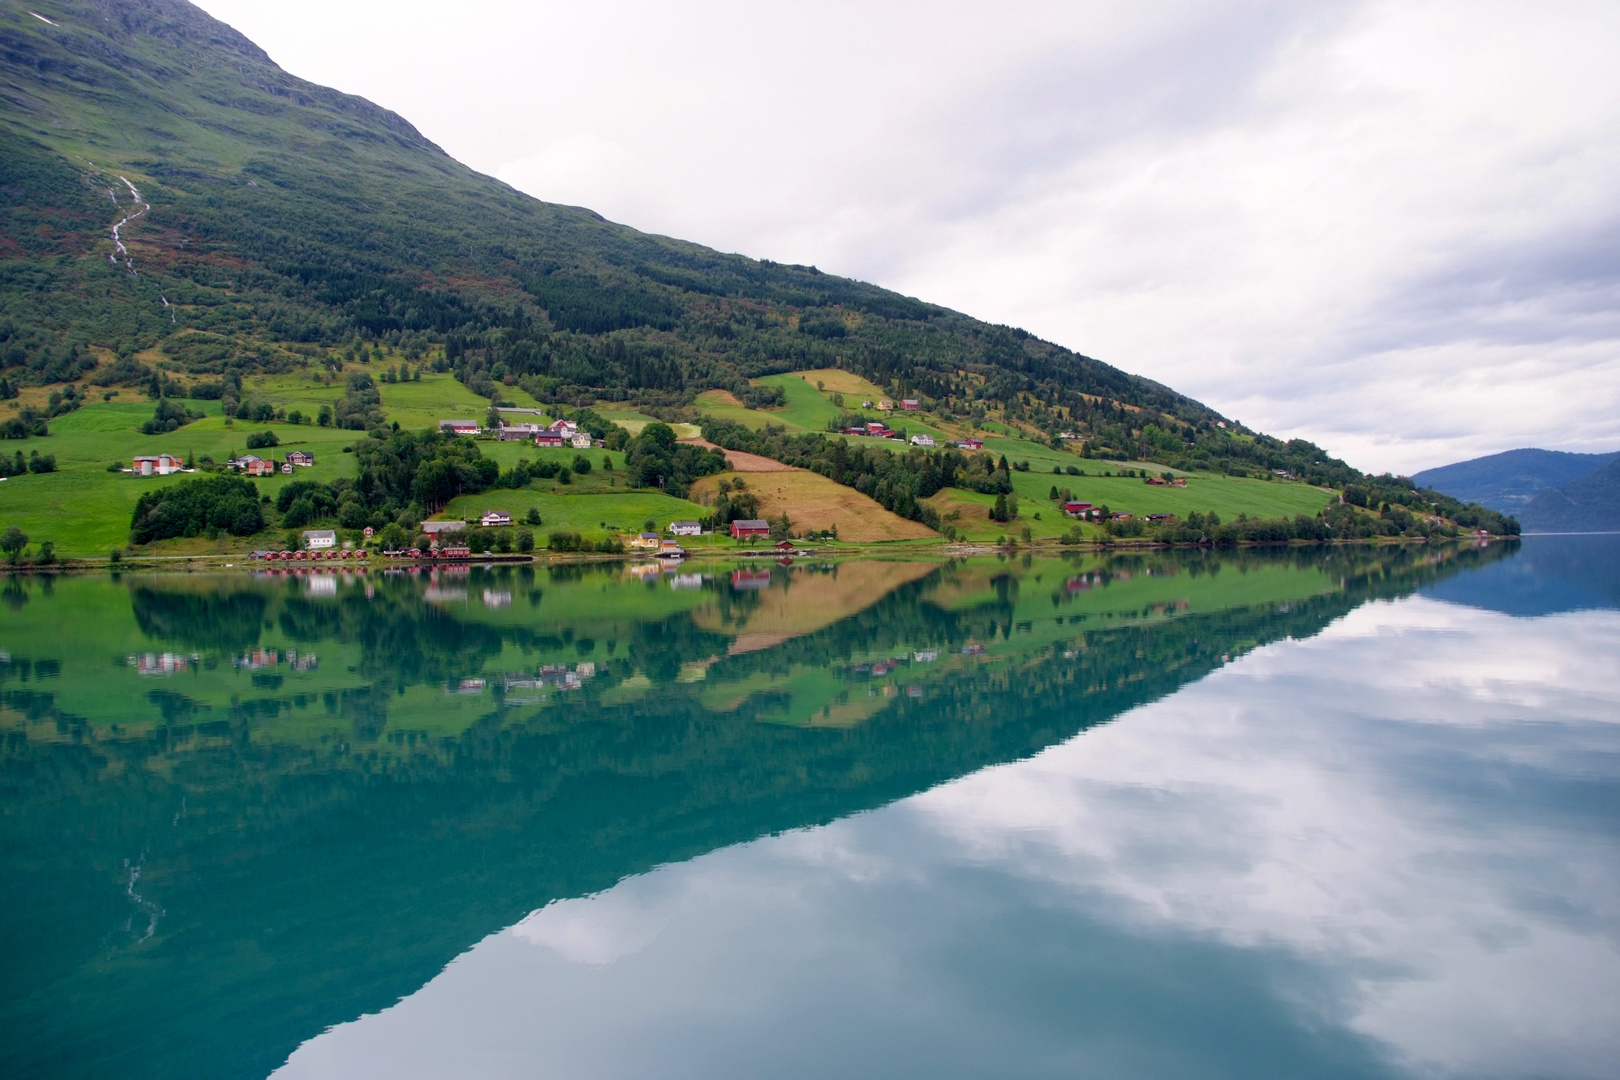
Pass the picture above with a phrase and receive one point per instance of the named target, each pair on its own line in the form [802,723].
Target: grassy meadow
[85,510]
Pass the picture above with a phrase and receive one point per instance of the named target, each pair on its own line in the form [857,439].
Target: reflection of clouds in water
[1398,796]
[1389,840]
[598,930]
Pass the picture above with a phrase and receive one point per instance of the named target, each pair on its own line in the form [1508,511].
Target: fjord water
[1347,812]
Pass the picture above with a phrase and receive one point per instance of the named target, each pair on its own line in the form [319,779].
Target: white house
[582,440]
[314,539]
[685,528]
[922,440]
[459,427]
[157,465]
[495,517]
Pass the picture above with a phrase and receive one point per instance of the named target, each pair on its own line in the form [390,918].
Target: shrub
[41,463]
[525,541]
[12,542]
[262,440]
[564,541]
[169,416]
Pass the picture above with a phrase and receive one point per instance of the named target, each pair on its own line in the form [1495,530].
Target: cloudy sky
[1392,228]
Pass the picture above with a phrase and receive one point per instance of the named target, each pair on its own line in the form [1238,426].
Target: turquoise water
[1312,813]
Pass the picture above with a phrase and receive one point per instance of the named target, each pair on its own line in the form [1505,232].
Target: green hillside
[1589,504]
[180,218]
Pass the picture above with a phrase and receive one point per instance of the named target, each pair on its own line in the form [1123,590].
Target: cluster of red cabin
[300,556]
[873,429]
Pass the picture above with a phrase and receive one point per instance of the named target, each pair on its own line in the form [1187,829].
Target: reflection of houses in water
[750,579]
[1081,582]
[321,584]
[258,658]
[973,650]
[558,676]
[159,663]
[466,686]
[926,656]
[435,594]
[302,661]
[686,581]
[495,599]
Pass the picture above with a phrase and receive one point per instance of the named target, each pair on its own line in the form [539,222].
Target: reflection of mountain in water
[197,895]
[1550,574]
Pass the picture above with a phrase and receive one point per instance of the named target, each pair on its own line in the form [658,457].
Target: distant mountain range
[1547,490]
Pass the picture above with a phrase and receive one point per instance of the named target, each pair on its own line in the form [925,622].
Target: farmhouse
[459,427]
[647,541]
[922,440]
[970,444]
[302,458]
[518,432]
[582,440]
[493,518]
[685,528]
[910,404]
[315,539]
[744,528]
[255,466]
[548,438]
[1075,508]
[156,465]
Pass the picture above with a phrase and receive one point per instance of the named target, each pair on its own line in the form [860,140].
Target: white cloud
[1385,226]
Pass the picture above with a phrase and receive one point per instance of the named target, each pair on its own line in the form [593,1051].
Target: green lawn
[592,515]
[85,510]
[437,397]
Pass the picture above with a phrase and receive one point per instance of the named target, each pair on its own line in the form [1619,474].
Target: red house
[747,528]
[1072,507]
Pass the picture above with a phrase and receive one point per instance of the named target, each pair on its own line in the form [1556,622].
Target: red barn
[746,528]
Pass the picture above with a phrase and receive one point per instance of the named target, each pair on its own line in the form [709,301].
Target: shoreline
[932,548]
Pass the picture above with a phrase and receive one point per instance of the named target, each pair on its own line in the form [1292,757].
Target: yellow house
[648,541]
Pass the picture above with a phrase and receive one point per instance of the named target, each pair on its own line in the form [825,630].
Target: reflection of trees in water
[315,883]
[219,618]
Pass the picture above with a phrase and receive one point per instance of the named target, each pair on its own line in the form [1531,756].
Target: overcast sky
[1392,228]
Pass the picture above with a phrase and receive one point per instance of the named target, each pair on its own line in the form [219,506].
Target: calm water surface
[1349,813]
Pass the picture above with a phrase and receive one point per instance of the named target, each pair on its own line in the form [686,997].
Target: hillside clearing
[813,502]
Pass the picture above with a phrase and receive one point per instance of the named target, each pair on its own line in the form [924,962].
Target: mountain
[1589,504]
[178,214]
[1508,481]
[269,211]
[264,222]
